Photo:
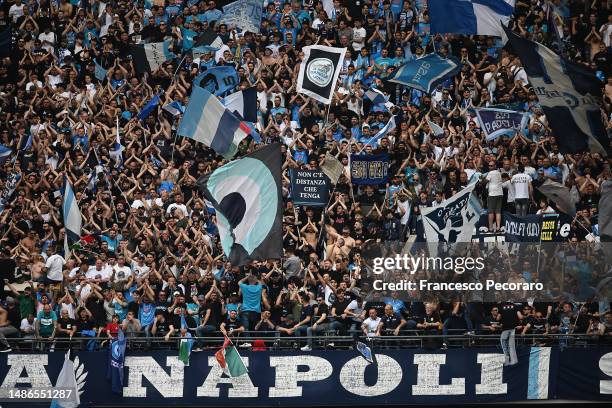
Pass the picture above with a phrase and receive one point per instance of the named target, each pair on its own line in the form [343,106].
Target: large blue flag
[425,73]
[217,80]
[116,358]
[149,107]
[207,121]
[472,17]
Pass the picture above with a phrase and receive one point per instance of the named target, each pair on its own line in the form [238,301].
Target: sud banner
[369,169]
[340,377]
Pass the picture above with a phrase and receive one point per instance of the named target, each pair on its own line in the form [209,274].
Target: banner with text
[501,122]
[369,169]
[340,378]
[309,187]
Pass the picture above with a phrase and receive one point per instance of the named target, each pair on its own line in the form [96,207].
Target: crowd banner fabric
[309,187]
[501,122]
[332,168]
[369,169]
[471,17]
[339,378]
[243,14]
[522,229]
[453,220]
[425,73]
[246,194]
[568,94]
[319,71]
[560,195]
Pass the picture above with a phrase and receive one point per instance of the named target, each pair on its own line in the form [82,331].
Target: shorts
[494,204]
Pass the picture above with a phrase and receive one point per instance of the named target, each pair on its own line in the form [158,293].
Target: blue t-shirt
[251,297]
[146,314]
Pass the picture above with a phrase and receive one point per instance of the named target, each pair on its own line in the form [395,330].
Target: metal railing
[330,340]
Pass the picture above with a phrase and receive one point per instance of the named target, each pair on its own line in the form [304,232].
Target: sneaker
[470,333]
[306,348]
[245,345]
[444,346]
[6,350]
[331,345]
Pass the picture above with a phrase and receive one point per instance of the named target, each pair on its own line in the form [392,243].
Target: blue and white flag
[471,17]
[116,358]
[72,217]
[5,153]
[148,108]
[71,377]
[207,121]
[501,122]
[243,14]
[243,104]
[426,73]
[568,94]
[149,57]
[116,152]
[435,128]
[453,220]
[382,132]
[100,72]
[174,108]
[217,80]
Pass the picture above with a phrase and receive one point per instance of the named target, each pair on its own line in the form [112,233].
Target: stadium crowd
[150,255]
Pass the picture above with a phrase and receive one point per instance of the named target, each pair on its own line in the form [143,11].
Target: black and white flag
[246,195]
[453,220]
[568,94]
[149,57]
[319,71]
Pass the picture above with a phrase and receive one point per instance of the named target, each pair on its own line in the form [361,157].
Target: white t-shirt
[26,327]
[55,263]
[372,325]
[521,182]
[495,183]
[359,35]
[174,206]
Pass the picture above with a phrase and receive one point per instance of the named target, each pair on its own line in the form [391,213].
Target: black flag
[319,71]
[569,95]
[246,194]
